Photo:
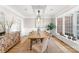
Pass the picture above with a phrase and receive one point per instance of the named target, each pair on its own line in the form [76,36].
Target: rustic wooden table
[35,36]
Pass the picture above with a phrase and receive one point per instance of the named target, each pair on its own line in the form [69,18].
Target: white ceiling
[45,10]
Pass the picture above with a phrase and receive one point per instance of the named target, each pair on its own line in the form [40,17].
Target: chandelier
[38,16]
[38,22]
[38,19]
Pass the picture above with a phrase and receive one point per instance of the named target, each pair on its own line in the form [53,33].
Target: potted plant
[9,24]
[69,36]
[74,38]
[50,27]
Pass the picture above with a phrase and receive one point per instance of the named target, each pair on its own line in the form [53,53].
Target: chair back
[45,44]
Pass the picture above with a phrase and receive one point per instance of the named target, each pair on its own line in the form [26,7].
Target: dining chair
[41,47]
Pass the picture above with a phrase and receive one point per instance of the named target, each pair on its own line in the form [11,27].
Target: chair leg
[36,41]
[47,50]
[30,44]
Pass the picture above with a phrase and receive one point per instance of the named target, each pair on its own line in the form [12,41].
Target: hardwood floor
[57,46]
[66,48]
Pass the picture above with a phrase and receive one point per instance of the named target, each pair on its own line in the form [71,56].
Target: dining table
[34,36]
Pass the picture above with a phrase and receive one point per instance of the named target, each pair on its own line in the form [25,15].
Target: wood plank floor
[57,46]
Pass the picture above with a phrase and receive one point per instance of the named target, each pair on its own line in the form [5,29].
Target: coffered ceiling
[45,10]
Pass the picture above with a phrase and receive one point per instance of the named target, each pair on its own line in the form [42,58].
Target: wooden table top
[37,35]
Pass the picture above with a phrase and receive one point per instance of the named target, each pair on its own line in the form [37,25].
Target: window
[59,25]
[69,24]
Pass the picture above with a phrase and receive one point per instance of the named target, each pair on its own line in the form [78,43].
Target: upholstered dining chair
[41,47]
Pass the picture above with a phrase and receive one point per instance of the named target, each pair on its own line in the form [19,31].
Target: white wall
[28,25]
[10,15]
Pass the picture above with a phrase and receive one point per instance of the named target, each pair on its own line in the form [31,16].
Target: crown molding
[12,10]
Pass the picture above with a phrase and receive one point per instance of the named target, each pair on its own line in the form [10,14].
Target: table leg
[41,40]
[30,44]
